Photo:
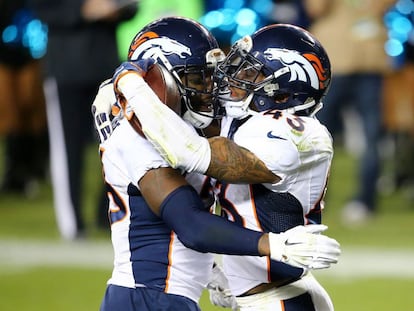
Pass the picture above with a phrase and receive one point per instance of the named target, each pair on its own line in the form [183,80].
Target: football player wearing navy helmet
[159,225]
[279,67]
[272,83]
[191,54]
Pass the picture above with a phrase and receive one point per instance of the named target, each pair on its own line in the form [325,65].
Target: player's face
[201,83]
[245,76]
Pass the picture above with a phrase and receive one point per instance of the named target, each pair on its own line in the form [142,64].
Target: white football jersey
[297,149]
[146,252]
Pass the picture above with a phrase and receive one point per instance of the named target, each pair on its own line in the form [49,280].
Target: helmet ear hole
[281,98]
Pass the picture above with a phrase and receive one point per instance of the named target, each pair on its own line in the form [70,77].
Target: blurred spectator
[82,52]
[399,122]
[354,35]
[22,109]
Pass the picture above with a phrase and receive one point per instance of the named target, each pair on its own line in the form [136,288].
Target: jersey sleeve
[268,140]
[130,154]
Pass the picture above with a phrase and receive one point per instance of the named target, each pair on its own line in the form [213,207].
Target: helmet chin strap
[318,106]
[200,121]
[240,109]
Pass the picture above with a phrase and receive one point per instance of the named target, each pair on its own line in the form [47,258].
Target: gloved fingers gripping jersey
[305,247]
[175,140]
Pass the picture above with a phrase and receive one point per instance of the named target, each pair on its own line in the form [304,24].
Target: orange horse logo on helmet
[303,67]
[151,45]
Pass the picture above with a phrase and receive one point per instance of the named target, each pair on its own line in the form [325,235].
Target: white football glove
[219,291]
[304,247]
[102,108]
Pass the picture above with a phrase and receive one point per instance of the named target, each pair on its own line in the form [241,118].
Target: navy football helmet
[280,67]
[191,53]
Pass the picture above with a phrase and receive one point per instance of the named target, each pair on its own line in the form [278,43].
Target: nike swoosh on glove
[305,247]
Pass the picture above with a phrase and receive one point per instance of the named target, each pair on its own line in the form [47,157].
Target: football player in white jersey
[148,199]
[281,72]
[275,81]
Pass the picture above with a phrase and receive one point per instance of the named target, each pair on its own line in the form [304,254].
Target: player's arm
[179,205]
[233,163]
[170,196]
[182,147]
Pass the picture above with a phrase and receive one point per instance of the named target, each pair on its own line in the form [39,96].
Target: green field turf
[385,246]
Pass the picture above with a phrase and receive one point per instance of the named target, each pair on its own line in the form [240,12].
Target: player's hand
[102,107]
[305,247]
[139,67]
[127,78]
[219,291]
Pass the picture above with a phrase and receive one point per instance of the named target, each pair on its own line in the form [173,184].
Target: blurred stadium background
[39,271]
